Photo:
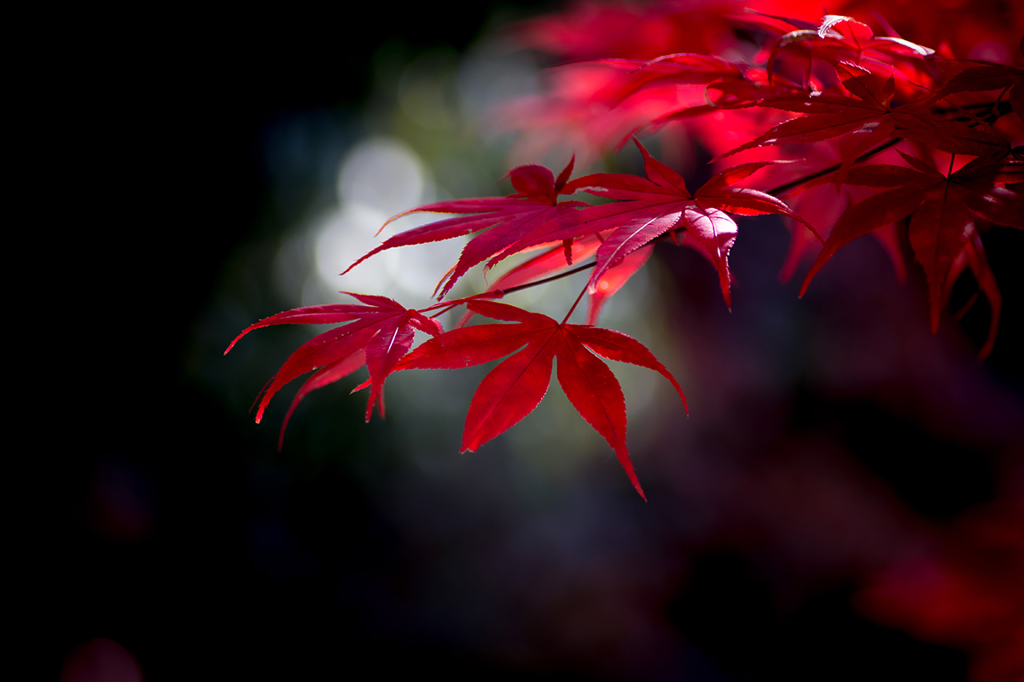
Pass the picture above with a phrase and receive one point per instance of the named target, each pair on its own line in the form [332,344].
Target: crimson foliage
[851,128]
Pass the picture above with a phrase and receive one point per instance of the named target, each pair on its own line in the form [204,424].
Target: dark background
[207,564]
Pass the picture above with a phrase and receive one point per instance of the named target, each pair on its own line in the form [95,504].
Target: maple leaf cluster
[849,127]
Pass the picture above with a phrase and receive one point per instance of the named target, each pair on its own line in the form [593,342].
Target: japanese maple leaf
[869,115]
[844,39]
[989,76]
[698,85]
[648,208]
[724,96]
[677,69]
[377,333]
[867,109]
[501,221]
[944,209]
[973,256]
[592,30]
[822,205]
[515,387]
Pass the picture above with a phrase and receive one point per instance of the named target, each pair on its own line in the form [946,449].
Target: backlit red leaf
[647,209]
[502,223]
[379,332]
[516,386]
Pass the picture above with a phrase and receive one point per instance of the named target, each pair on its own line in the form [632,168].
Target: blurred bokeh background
[233,166]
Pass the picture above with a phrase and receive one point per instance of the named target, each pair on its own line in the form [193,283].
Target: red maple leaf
[981,76]
[844,39]
[677,69]
[504,222]
[973,256]
[944,210]
[378,334]
[868,113]
[590,30]
[648,208]
[867,109]
[515,387]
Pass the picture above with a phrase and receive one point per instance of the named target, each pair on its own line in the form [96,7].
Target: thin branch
[996,109]
[576,303]
[581,268]
[783,189]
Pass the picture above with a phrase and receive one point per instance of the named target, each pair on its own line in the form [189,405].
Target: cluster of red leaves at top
[850,131]
[889,136]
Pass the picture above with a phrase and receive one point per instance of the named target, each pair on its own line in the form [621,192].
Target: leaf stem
[445,306]
[783,189]
[578,299]
[552,278]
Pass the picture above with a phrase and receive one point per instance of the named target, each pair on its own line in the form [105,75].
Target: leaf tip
[818,264]
[636,485]
[233,342]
